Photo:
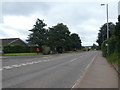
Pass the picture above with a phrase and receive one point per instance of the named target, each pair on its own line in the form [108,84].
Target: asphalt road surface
[46,71]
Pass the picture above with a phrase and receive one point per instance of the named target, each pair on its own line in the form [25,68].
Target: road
[48,71]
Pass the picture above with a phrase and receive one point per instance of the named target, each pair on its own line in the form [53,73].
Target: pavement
[100,74]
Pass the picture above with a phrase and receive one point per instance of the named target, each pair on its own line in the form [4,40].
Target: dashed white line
[1,69]
[16,66]
[7,67]
[23,64]
[37,62]
[29,63]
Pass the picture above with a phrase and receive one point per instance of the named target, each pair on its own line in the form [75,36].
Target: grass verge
[113,59]
[20,54]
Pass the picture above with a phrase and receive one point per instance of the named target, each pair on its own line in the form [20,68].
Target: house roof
[9,41]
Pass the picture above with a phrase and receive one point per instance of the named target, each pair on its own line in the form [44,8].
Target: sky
[82,17]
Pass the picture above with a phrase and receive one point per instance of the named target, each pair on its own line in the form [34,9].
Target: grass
[113,59]
[20,54]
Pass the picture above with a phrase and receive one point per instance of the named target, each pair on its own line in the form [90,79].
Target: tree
[117,29]
[94,47]
[75,41]
[102,35]
[59,36]
[117,36]
[39,34]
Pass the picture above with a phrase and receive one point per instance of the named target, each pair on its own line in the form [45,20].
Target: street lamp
[107,19]
[107,23]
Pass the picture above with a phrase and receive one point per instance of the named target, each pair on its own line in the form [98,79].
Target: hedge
[17,49]
[113,48]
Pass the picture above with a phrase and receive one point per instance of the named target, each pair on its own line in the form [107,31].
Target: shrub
[111,45]
[17,49]
[45,50]
[104,48]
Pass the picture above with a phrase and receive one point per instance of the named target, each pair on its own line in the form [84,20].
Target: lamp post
[107,19]
[107,23]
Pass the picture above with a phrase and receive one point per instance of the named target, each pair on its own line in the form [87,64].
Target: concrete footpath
[100,74]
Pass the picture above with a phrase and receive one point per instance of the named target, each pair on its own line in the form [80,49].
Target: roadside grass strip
[22,64]
[20,54]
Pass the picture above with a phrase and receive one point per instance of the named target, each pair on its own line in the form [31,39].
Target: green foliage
[39,34]
[16,49]
[75,41]
[102,35]
[104,48]
[46,50]
[113,42]
[118,49]
[20,54]
[111,45]
[117,29]
[94,47]
[58,37]
[113,58]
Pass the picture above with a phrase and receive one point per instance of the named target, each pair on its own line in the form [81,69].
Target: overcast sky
[84,18]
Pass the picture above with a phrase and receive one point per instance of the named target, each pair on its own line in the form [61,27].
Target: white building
[119,8]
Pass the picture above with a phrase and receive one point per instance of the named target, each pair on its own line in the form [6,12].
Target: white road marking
[19,65]
[83,74]
[73,59]
[16,66]
[37,61]
[29,63]
[7,67]
[75,84]
[23,64]
[1,69]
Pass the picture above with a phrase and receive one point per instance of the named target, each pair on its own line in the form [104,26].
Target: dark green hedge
[18,49]
[113,54]
[112,46]
[118,49]
[104,48]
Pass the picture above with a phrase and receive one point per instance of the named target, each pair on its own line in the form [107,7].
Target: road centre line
[73,59]
[30,63]
[7,67]
[23,64]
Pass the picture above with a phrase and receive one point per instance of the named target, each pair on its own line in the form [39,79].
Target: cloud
[82,18]
[24,8]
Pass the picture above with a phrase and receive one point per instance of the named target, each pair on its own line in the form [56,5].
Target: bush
[111,45]
[118,49]
[45,50]
[104,48]
[113,55]
[17,49]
